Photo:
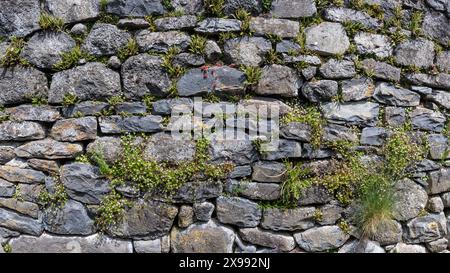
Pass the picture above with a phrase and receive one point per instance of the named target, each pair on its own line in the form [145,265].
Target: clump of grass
[298,178]
[244,16]
[167,4]
[356,4]
[416,23]
[38,100]
[72,58]
[266,5]
[397,37]
[252,74]
[70,99]
[111,211]
[273,57]
[224,36]
[130,49]
[49,22]
[115,100]
[353,27]
[12,54]
[197,45]
[53,200]
[214,7]
[274,38]
[105,17]
[151,20]
[174,70]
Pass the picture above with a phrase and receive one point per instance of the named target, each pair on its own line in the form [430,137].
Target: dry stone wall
[89,162]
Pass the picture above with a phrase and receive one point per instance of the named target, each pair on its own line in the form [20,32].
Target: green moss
[49,22]
[130,49]
[224,36]
[12,54]
[72,58]
[111,211]
[53,200]
[197,45]
[298,178]
[105,17]
[274,38]
[344,226]
[115,100]
[353,27]
[167,4]
[38,100]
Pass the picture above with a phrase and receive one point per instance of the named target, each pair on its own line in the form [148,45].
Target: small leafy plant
[197,45]
[50,22]
[130,49]
[12,54]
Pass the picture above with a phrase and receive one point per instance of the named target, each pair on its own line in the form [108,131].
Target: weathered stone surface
[165,148]
[49,149]
[418,52]
[31,192]
[405,248]
[22,207]
[17,222]
[297,131]
[203,211]
[167,106]
[47,243]
[188,59]
[337,14]
[330,213]
[19,18]
[44,49]
[438,146]
[286,149]
[143,74]
[293,9]
[247,50]
[368,43]
[133,124]
[435,205]
[72,130]
[110,147]
[435,27]
[257,191]
[88,82]
[336,69]
[240,171]
[387,93]
[73,10]
[220,79]
[365,246]
[21,131]
[426,228]
[16,174]
[373,136]
[6,189]
[443,61]
[239,151]
[321,90]
[175,23]
[440,81]
[314,195]
[327,39]
[438,245]
[71,219]
[161,41]
[426,119]
[439,181]
[131,108]
[84,183]
[27,112]
[281,27]
[266,171]
[288,220]
[321,238]
[440,97]
[410,200]
[198,191]
[252,6]
[48,166]
[278,80]
[202,238]
[79,29]
[146,220]
[238,211]
[212,51]
[335,132]
[133,23]
[105,39]
[361,113]
[381,70]
[20,84]
[160,245]
[276,241]
[217,25]
[85,108]
[135,7]
[357,89]
[262,104]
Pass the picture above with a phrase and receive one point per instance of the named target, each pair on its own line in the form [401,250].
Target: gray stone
[21,131]
[321,238]
[239,151]
[439,146]
[138,8]
[198,191]
[426,119]
[438,245]
[410,200]
[84,183]
[257,190]
[246,50]
[288,219]
[203,211]
[31,192]
[419,52]
[387,93]
[161,41]
[364,246]
[266,171]
[321,90]
[167,106]
[133,23]
[439,5]
[20,84]
[439,181]
[72,130]
[131,108]
[381,70]
[17,222]
[422,90]
[297,131]
[406,248]
[308,59]
[435,205]
[440,80]
[73,10]
[435,27]
[49,149]
[28,112]
[212,51]
[143,75]
[217,25]
[146,220]
[443,61]
[252,6]
[310,152]
[188,59]
[374,136]
[16,174]
[6,189]
[446,199]
[286,149]
[293,9]
[71,219]
[48,166]
[278,80]
[337,14]
[357,89]
[23,207]
[395,116]
[238,211]
[202,238]
[262,104]
[388,232]
[165,148]
[19,18]
[280,27]
[47,243]
[85,108]
[160,245]
[175,23]
[277,241]
[426,228]
[88,82]
[368,43]
[330,213]
[336,69]
[79,29]
[314,195]
[327,39]
[114,62]
[287,47]
[223,79]
[44,49]
[185,216]
[133,124]
[240,171]
[335,132]
[188,7]
[105,39]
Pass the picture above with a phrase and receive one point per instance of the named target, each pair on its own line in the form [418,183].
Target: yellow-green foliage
[415,24]
[130,49]
[197,44]
[53,200]
[70,99]
[12,53]
[298,178]
[252,73]
[174,70]
[214,7]
[71,58]
[244,16]
[49,22]
[111,210]
[273,57]
[267,5]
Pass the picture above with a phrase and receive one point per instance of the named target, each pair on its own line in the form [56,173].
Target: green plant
[49,22]
[252,74]
[224,36]
[415,24]
[344,226]
[267,5]
[149,100]
[12,56]
[318,215]
[274,38]
[353,27]
[130,49]
[38,100]
[356,4]
[298,178]
[211,97]
[111,211]
[70,99]
[167,4]
[7,248]
[397,37]
[115,100]
[56,199]
[197,45]
[244,16]
[71,58]
[375,11]
[214,7]
[82,158]
[18,193]
[104,16]
[151,20]
[273,57]
[174,70]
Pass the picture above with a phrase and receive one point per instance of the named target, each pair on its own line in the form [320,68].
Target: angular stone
[438,245]
[240,171]
[84,183]
[220,79]
[79,29]
[19,18]
[217,25]
[246,50]
[6,189]
[258,191]
[405,248]
[71,219]
[239,151]
[167,106]
[73,10]
[321,90]
[327,39]
[395,116]
[335,132]
[137,8]
[439,146]
[426,228]
[368,43]
[43,165]
[133,124]
[278,242]
[16,174]
[361,247]
[88,82]
[337,14]
[238,211]
[49,149]
[435,27]
[133,23]
[410,200]
[443,61]
[293,9]
[31,192]
[252,6]
[165,148]
[336,69]
[212,51]
[110,147]
[374,136]
[321,238]
[160,245]
[297,131]
[263,104]
[288,219]
[435,205]
[131,108]
[360,113]
[428,120]
[314,195]
[440,81]
[161,41]
[330,214]
[17,222]
[105,39]
[75,129]
[278,80]
[203,211]
[21,131]
[357,89]
[387,93]
[188,59]
[419,52]
[280,27]
[446,199]
[439,181]
[22,207]
[202,238]
[47,243]
[381,70]
[310,152]
[85,108]
[44,49]
[198,191]
[27,112]
[266,171]
[175,23]
[286,149]
[20,84]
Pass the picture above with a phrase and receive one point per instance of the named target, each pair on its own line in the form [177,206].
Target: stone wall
[77,76]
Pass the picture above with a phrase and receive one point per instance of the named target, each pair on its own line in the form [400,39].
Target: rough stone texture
[22,207]
[327,39]
[28,112]
[7,189]
[381,70]
[247,50]
[105,39]
[133,124]
[438,146]
[389,94]
[337,14]
[198,191]
[21,131]
[73,10]
[176,23]
[321,238]
[19,18]
[322,90]
[368,43]
[161,41]
[435,26]
[135,7]
[238,211]
[16,174]
[373,136]
[20,223]
[361,247]
[71,219]
[439,181]
[418,52]
[389,232]
[278,80]
[410,200]
[217,25]
[335,69]
[252,6]
[426,228]
[164,148]
[293,9]
[75,129]
[363,113]
[281,27]
[443,61]
[257,236]
[429,120]
[357,89]
[266,171]
[49,149]
[258,191]
[405,248]
[288,220]
[440,81]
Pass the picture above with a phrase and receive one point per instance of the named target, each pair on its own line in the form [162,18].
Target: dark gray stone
[374,136]
[164,148]
[419,52]
[293,8]
[131,108]
[321,90]
[203,211]
[176,23]
[85,108]
[252,6]
[17,222]
[286,149]
[161,41]
[357,89]
[439,146]
[133,124]
[19,18]
[49,149]
[381,70]
[278,80]
[288,219]
[435,27]
[439,181]
[338,14]
[7,189]
[426,119]
[133,23]
[198,191]
[21,131]
[218,25]
[426,228]
[387,93]
[336,69]
[327,38]
[314,195]
[27,112]
[296,131]
[139,8]
[20,175]
[105,39]
[266,171]
[280,27]
[167,106]
[246,50]
[72,10]
[75,129]
[71,219]
[440,80]
[188,59]
[238,211]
